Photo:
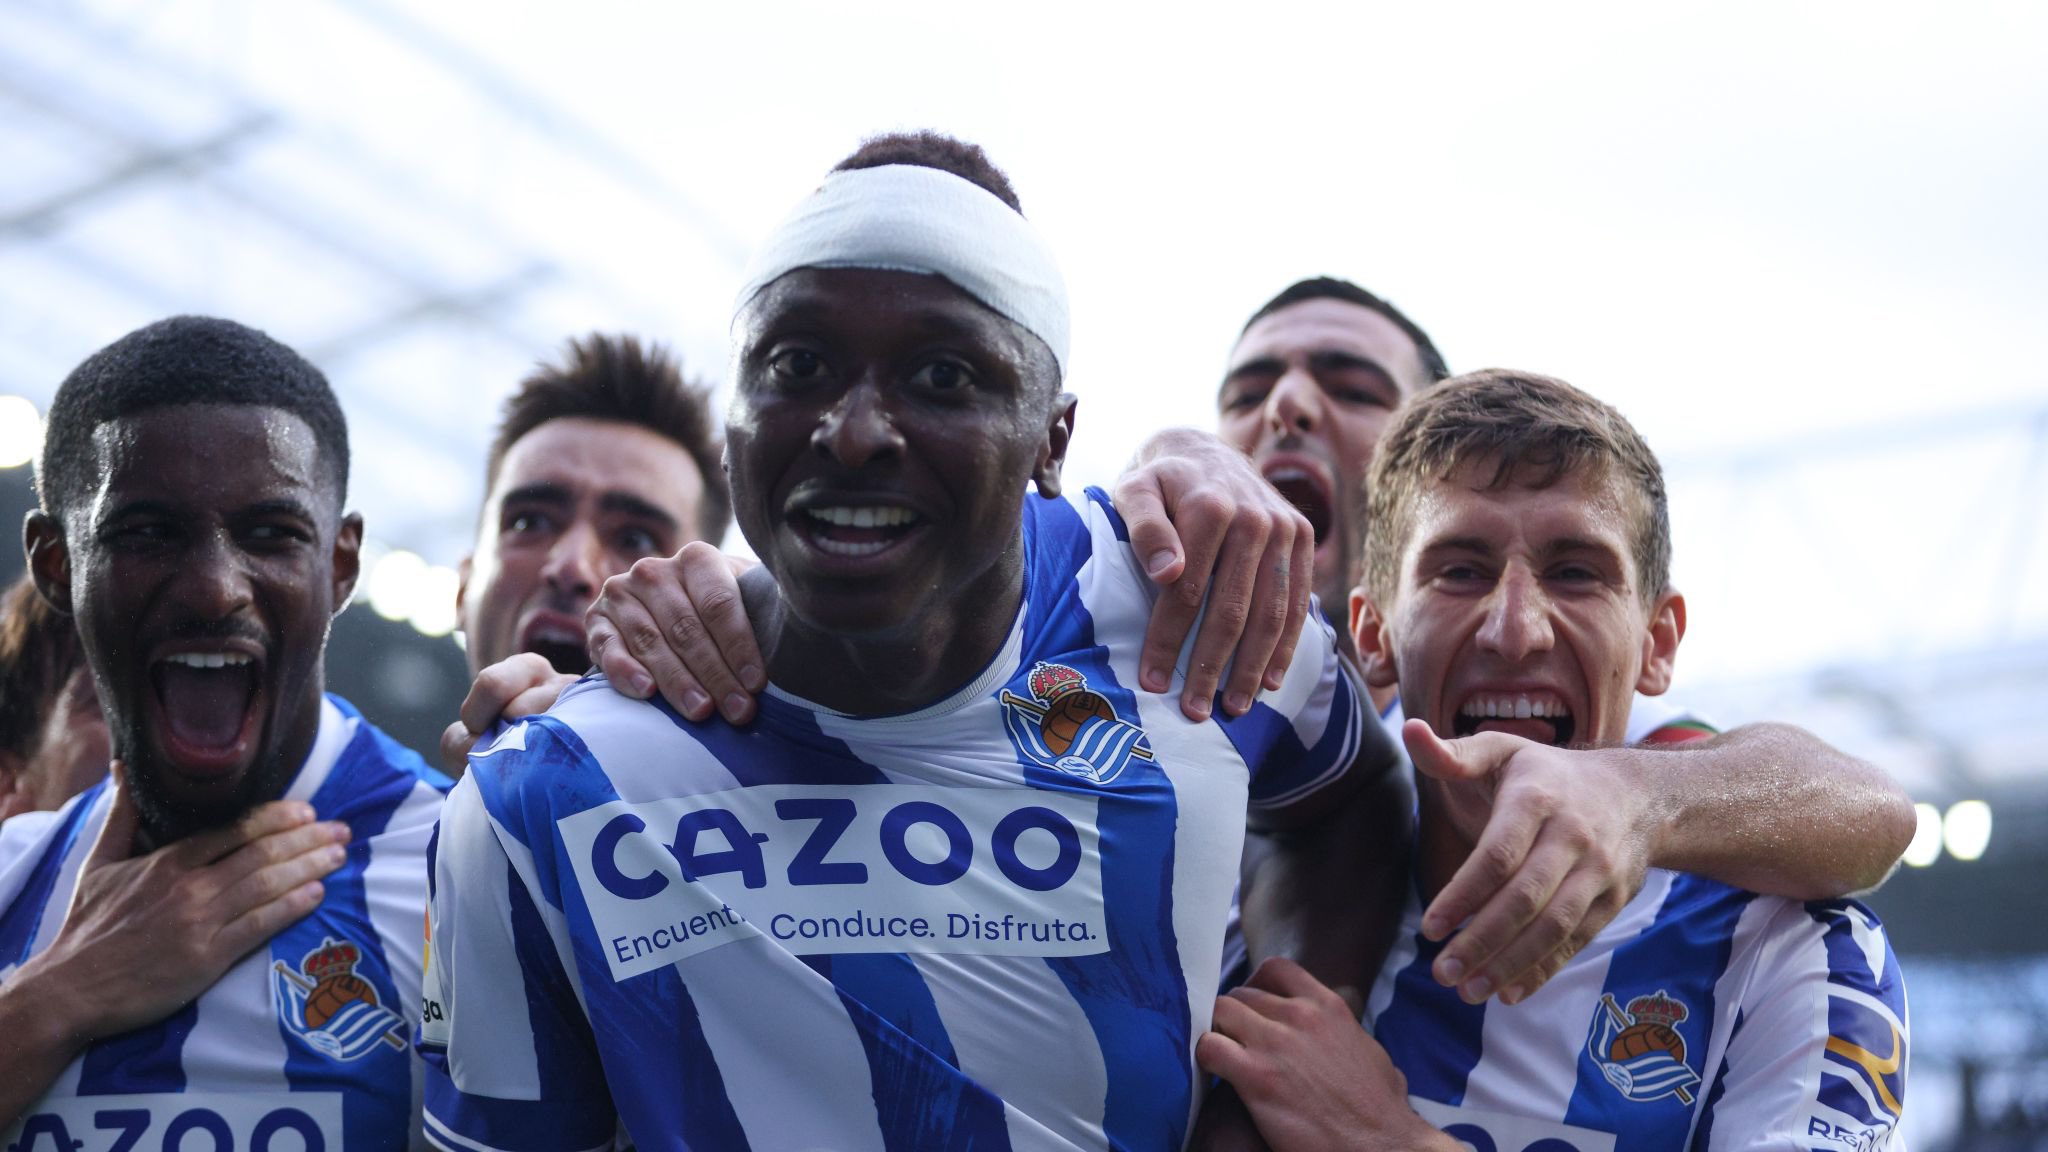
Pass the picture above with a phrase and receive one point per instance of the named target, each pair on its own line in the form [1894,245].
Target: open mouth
[563,648]
[855,531]
[1540,716]
[1309,494]
[206,704]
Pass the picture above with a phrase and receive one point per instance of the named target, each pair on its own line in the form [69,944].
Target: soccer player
[959,882]
[1517,591]
[221,942]
[53,743]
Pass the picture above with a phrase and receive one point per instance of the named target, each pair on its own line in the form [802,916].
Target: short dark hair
[39,651]
[1528,429]
[179,361]
[618,378]
[1332,288]
[928,149]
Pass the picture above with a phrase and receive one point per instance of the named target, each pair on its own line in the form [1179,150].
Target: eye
[639,542]
[797,364]
[276,534]
[1575,574]
[1244,400]
[521,523]
[943,376]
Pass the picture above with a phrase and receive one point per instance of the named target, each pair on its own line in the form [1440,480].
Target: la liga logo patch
[335,1011]
[1070,728]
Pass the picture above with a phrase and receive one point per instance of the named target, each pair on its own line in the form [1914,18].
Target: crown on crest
[1051,681]
[1657,1009]
[331,959]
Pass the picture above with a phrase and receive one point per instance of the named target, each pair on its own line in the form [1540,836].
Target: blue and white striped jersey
[993,922]
[1703,1018]
[282,1051]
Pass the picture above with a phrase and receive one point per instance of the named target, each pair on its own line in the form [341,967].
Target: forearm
[37,1042]
[1773,809]
[1328,895]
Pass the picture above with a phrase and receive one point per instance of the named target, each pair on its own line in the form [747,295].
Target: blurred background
[1802,246]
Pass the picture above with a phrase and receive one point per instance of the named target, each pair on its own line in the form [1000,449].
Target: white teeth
[872,516]
[846,548]
[208,659]
[1517,707]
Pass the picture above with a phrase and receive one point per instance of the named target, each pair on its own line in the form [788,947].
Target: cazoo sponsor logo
[861,868]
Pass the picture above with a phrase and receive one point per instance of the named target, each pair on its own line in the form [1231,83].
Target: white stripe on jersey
[489,1053]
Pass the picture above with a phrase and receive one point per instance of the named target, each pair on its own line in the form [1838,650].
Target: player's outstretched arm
[1563,837]
[1206,525]
[1312,1077]
[148,933]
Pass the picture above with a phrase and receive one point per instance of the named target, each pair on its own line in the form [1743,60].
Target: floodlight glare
[433,601]
[21,431]
[1926,846]
[393,583]
[1967,829]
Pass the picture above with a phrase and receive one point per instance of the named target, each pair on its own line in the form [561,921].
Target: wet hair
[179,361]
[618,378]
[39,652]
[1530,431]
[928,149]
[1331,288]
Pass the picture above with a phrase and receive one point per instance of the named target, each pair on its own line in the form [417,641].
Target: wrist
[1658,815]
[45,1011]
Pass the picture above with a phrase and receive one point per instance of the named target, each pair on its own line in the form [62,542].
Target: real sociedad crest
[1068,728]
[331,1008]
[1640,1051]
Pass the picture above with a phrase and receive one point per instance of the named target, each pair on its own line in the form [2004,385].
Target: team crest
[1640,1051]
[330,1007]
[1069,728]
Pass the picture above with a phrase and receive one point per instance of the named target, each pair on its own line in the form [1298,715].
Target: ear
[14,791]
[1052,455]
[1369,636]
[1660,643]
[462,571]
[348,558]
[49,558]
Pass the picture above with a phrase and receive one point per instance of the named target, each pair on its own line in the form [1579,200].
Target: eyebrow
[620,502]
[1327,360]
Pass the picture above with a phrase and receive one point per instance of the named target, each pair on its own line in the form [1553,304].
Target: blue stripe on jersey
[149,1059]
[1116,521]
[757,753]
[1849,965]
[19,920]
[1281,763]
[922,1100]
[1703,1132]
[1428,1032]
[1865,1049]
[558,772]
[363,790]
[1128,991]
[1682,954]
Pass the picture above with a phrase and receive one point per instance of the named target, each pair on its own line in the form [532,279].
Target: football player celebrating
[961,880]
[1517,591]
[224,935]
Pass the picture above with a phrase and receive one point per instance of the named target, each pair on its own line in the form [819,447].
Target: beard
[167,818]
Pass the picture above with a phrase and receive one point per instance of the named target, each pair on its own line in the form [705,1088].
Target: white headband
[907,218]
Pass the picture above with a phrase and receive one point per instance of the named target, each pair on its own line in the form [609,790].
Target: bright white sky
[1743,223]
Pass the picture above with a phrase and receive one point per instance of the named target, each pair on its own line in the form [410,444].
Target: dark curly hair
[928,149]
[182,360]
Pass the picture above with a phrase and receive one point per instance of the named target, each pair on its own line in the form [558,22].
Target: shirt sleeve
[510,1060]
[1303,736]
[1818,1058]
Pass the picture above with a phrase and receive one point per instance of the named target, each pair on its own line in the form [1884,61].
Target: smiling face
[1518,609]
[1307,395]
[203,572]
[575,501]
[882,426]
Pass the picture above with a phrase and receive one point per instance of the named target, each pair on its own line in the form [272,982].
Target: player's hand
[521,685]
[146,934]
[678,624]
[1205,524]
[1561,843]
[1312,1077]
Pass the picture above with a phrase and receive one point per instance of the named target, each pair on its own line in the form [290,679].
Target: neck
[901,670]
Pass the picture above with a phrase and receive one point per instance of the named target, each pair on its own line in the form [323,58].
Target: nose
[217,584]
[574,565]
[858,428]
[1517,621]
[1295,404]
